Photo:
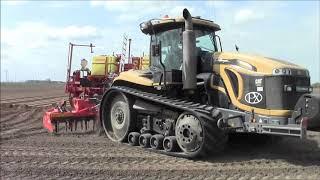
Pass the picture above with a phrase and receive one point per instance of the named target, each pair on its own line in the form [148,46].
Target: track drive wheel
[197,137]
[116,116]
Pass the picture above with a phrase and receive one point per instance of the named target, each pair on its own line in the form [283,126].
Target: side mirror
[156,50]
[237,48]
[91,47]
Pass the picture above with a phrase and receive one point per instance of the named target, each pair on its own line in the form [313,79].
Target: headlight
[304,89]
[287,88]
[143,25]
[301,89]
[281,71]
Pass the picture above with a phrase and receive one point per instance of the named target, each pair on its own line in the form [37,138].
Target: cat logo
[253,97]
[258,82]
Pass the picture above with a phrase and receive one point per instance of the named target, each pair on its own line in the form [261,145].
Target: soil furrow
[27,151]
[25,118]
[106,169]
[33,99]
[12,116]
[43,102]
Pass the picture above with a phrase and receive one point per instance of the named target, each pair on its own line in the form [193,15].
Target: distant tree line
[33,82]
[316,85]
[43,81]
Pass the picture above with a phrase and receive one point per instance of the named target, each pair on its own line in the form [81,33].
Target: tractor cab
[166,46]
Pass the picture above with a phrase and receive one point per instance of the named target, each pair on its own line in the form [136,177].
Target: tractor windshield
[171,46]
[205,40]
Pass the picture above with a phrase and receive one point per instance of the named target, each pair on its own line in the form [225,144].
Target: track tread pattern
[215,139]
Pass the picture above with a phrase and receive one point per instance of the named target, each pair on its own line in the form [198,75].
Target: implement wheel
[116,116]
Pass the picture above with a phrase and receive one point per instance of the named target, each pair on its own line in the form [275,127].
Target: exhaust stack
[189,71]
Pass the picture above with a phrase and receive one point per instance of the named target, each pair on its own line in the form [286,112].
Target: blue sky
[35,34]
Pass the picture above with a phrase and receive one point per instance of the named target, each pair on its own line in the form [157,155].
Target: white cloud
[42,47]
[177,11]
[129,6]
[13,2]
[134,10]
[37,34]
[58,4]
[96,3]
[247,15]
[217,4]
[253,11]
[122,6]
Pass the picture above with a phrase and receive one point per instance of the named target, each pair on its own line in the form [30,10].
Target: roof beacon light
[165,17]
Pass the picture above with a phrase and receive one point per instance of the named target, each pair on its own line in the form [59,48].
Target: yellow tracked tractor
[194,94]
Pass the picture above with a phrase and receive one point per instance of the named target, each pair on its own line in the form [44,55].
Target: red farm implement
[83,97]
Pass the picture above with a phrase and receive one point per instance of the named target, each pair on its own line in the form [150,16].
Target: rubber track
[201,110]
[185,105]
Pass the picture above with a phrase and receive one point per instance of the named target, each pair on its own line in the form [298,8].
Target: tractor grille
[278,97]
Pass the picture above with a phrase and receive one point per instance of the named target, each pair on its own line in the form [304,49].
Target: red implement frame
[81,99]
[84,109]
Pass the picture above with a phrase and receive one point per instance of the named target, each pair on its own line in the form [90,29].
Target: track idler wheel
[156,141]
[170,144]
[116,116]
[144,140]
[133,138]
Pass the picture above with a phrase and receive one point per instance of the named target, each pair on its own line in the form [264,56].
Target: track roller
[156,141]
[170,144]
[133,138]
[144,140]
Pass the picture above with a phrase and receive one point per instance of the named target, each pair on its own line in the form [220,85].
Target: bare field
[316,90]
[39,95]
[29,152]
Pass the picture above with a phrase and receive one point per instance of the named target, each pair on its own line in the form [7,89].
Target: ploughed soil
[30,94]
[27,151]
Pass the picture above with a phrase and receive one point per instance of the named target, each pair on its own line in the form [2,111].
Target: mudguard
[308,107]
